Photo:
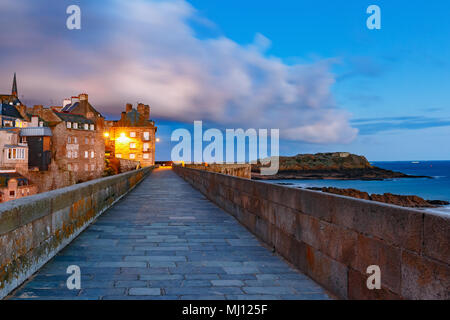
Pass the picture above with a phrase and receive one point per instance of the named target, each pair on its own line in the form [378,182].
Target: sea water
[437,188]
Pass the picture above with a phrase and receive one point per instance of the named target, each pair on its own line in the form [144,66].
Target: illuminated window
[92,127]
[69,125]
[132,134]
[86,126]
[75,125]
[75,140]
[146,135]
[146,155]
[132,156]
[69,154]
[119,155]
[132,145]
[75,154]
[86,154]
[146,146]
[92,154]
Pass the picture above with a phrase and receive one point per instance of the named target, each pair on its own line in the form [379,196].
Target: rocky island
[335,165]
[410,201]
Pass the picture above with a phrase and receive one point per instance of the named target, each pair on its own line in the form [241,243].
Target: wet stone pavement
[165,240]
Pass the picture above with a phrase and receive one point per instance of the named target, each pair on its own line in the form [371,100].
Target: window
[92,127]
[92,141]
[145,156]
[41,123]
[146,146]
[69,140]
[69,167]
[86,154]
[75,140]
[86,140]
[132,145]
[92,167]
[12,194]
[132,156]
[92,154]
[69,154]
[132,134]
[86,126]
[75,154]
[146,135]
[75,167]
[86,167]
[75,125]
[119,155]
[69,125]
[15,154]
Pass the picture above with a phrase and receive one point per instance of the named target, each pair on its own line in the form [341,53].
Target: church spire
[14,86]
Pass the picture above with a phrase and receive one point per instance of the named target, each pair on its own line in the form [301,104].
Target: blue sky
[310,68]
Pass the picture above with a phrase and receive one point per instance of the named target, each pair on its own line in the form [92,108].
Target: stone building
[76,147]
[133,136]
[14,186]
[14,152]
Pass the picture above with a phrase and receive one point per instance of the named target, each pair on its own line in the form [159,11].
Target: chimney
[144,111]
[75,99]
[38,110]
[83,96]
[34,121]
[66,102]
[129,107]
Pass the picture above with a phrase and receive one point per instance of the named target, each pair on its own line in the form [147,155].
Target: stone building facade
[133,136]
[14,186]
[77,149]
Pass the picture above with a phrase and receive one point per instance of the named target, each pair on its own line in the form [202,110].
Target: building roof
[6,176]
[36,132]
[73,117]
[6,109]
[81,107]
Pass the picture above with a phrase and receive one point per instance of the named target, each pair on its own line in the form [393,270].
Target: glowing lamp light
[157,139]
[106,134]
[123,138]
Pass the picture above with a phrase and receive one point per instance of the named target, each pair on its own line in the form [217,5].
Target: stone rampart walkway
[165,240]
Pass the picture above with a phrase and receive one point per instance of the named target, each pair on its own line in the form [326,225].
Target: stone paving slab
[165,240]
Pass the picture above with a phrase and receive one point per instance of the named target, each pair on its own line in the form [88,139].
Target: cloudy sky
[310,68]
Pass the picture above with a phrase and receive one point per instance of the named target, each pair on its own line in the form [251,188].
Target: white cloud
[148,52]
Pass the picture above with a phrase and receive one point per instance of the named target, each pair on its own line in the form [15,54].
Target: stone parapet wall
[333,239]
[33,229]
[237,170]
[128,165]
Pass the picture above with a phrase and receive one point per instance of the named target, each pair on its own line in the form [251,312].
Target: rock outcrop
[399,200]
